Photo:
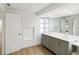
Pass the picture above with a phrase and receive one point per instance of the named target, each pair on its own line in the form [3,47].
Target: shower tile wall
[70,24]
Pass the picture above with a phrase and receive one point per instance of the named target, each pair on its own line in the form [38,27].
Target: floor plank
[35,50]
[0,51]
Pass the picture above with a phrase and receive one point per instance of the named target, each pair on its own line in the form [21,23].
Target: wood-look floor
[36,50]
[0,51]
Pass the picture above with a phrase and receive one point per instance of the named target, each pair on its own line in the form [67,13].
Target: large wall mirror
[68,24]
[65,24]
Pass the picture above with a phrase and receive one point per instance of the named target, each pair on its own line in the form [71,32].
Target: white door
[13,32]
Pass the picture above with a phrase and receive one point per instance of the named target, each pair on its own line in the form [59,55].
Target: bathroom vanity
[59,43]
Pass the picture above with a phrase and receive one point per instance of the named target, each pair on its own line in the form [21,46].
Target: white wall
[34,22]
[1,18]
[76,24]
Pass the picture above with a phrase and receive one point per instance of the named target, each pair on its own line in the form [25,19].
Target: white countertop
[72,39]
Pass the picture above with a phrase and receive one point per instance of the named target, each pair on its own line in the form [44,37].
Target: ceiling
[32,7]
[64,10]
[52,9]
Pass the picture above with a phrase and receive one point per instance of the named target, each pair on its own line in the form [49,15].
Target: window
[43,25]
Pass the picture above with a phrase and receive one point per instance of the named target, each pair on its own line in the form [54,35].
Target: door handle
[19,34]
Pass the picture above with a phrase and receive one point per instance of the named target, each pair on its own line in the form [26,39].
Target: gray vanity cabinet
[44,40]
[62,47]
[58,46]
[52,44]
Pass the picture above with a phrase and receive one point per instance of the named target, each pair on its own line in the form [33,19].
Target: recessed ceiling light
[48,15]
[69,12]
[64,11]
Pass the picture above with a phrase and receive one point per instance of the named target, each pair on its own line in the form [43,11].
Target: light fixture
[67,11]
[8,4]
[0,23]
[64,11]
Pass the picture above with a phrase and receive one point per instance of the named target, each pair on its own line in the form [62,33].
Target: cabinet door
[62,47]
[43,39]
[52,44]
[46,41]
